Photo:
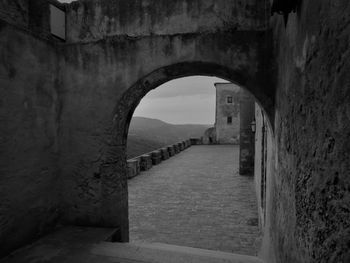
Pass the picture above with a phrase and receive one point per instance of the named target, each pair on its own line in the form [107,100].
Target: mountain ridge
[148,134]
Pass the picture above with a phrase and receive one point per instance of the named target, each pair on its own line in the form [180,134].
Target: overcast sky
[181,101]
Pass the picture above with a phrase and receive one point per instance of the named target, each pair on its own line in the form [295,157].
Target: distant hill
[147,134]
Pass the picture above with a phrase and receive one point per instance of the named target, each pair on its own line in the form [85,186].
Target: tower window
[229,99]
[229,120]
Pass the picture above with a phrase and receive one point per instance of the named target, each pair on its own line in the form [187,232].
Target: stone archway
[132,97]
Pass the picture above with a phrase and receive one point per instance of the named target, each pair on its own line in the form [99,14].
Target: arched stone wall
[102,83]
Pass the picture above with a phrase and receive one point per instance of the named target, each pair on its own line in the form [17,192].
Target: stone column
[246,142]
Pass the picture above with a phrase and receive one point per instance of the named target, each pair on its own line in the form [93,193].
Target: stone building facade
[227,113]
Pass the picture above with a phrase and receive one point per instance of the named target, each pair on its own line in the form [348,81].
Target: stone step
[89,245]
[165,253]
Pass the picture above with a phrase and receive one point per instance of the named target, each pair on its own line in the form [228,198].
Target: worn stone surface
[95,19]
[309,196]
[196,199]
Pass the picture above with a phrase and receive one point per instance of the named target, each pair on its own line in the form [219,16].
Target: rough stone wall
[95,19]
[310,197]
[29,116]
[227,133]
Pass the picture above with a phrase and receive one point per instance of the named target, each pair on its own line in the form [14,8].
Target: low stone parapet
[156,157]
[145,162]
[165,153]
[133,167]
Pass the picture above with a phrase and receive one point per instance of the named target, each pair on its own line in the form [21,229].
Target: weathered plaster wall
[310,197]
[95,19]
[29,116]
[227,133]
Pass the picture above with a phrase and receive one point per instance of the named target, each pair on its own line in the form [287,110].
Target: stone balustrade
[146,161]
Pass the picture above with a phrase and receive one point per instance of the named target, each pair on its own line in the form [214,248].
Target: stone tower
[227,117]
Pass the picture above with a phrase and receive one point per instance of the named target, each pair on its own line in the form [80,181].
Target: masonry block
[156,157]
[181,148]
[145,162]
[176,148]
[171,150]
[133,167]
[165,153]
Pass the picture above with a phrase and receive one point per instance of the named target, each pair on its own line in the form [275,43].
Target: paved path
[196,199]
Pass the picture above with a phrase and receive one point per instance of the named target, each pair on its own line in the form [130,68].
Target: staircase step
[165,253]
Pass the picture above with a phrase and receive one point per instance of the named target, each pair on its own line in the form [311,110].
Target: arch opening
[136,92]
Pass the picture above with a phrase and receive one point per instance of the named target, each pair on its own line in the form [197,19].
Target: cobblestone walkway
[196,199]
